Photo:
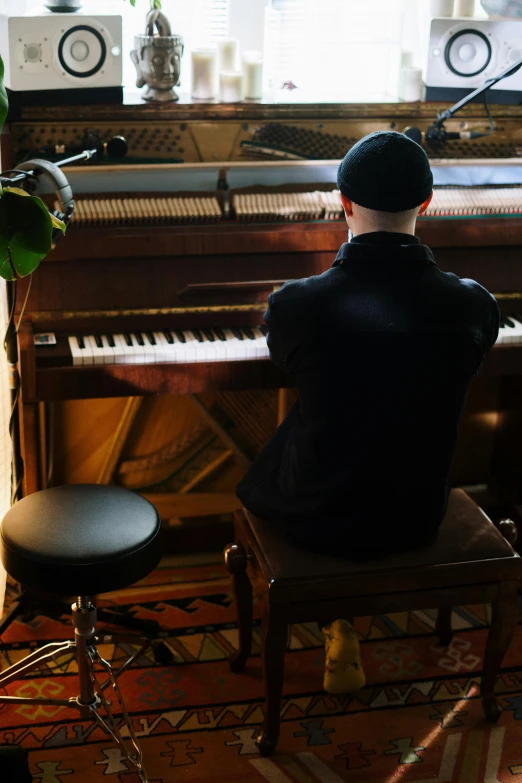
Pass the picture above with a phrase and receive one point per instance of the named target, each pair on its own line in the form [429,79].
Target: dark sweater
[382,348]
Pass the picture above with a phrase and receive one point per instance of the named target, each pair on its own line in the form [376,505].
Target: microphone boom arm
[468,98]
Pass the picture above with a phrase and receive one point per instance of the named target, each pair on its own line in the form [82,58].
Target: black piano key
[209,334]
[150,338]
[221,334]
[110,340]
[169,338]
[197,334]
[81,341]
[263,328]
[139,339]
[98,340]
[249,333]
[237,333]
[509,322]
[179,334]
[128,339]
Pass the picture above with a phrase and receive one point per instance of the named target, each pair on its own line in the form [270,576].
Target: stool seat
[80,539]
[466,541]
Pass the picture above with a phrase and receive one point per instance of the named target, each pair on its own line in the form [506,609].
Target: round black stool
[81,539]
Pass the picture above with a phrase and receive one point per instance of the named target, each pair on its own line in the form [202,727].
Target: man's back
[382,348]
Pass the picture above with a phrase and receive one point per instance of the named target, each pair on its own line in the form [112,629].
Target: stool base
[90,702]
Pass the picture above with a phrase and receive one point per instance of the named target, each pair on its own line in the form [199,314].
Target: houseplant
[26,224]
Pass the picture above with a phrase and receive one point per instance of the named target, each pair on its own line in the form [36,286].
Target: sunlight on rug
[418,719]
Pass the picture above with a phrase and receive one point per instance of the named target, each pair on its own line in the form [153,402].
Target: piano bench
[81,540]
[469,562]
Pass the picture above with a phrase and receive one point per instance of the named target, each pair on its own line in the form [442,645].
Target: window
[335,50]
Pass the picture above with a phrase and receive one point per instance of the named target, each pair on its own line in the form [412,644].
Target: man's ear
[425,204]
[347,205]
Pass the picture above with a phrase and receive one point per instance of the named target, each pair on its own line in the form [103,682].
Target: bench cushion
[80,539]
[468,548]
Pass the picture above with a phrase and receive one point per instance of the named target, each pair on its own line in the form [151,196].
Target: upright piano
[160,283]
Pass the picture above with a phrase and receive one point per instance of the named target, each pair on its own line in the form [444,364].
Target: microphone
[116,147]
[436,136]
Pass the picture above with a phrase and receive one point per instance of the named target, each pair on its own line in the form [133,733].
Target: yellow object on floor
[343,669]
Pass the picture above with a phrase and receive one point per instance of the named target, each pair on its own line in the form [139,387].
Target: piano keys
[185,346]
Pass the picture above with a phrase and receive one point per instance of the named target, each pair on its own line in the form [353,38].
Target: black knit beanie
[386,171]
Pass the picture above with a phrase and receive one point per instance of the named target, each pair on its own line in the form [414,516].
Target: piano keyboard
[170,345]
[203,345]
[277,206]
[510,332]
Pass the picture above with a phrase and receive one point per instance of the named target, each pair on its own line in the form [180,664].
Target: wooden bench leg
[274,633]
[505,615]
[443,630]
[236,562]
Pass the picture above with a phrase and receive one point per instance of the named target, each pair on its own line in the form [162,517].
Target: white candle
[412,86]
[231,86]
[464,8]
[441,7]
[228,54]
[253,74]
[203,73]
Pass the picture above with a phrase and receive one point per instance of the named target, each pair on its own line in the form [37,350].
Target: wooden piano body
[108,278]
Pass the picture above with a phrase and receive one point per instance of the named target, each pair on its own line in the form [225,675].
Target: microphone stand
[436,133]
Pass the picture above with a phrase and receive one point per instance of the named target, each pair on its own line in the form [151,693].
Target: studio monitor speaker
[56,55]
[464,53]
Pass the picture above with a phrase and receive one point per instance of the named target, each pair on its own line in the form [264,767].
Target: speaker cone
[468,53]
[82,51]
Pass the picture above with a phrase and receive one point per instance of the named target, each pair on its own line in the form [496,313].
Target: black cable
[10,320]
[18,171]
[491,121]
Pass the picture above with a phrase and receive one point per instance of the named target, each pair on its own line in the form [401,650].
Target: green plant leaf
[6,270]
[24,261]
[3,96]
[26,221]
[57,223]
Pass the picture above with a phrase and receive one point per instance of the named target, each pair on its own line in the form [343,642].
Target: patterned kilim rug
[418,719]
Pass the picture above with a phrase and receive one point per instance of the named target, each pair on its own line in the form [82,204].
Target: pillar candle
[411,84]
[253,74]
[203,73]
[441,7]
[231,86]
[464,8]
[228,50]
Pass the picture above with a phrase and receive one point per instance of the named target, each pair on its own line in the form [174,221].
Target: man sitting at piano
[382,348]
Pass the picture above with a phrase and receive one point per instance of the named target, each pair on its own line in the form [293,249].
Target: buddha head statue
[157,58]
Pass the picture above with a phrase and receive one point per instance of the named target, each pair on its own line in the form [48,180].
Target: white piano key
[161,347]
[147,348]
[108,350]
[232,346]
[191,347]
[97,353]
[512,334]
[120,354]
[260,343]
[76,352]
[87,354]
